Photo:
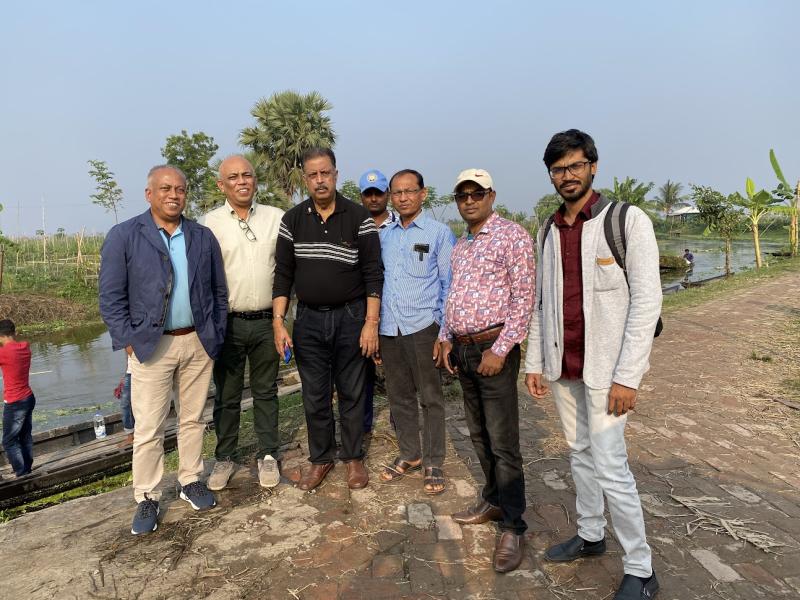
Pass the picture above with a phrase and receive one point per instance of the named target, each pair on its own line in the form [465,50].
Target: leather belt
[480,337]
[252,315]
[181,331]
[325,307]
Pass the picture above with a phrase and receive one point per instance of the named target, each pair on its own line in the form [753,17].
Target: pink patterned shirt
[493,283]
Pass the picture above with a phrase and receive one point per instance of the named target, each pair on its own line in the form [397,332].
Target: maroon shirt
[570,235]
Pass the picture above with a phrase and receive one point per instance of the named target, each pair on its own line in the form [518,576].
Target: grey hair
[157,168]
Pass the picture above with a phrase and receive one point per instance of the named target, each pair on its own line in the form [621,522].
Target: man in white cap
[486,319]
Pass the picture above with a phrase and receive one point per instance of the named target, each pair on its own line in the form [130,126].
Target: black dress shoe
[482,512]
[574,548]
[633,588]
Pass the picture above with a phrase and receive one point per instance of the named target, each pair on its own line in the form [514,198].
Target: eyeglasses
[401,193]
[477,195]
[317,174]
[248,233]
[576,168]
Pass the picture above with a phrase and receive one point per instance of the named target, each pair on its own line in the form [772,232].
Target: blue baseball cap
[373,179]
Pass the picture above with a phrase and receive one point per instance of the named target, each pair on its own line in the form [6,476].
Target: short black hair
[7,327]
[317,152]
[402,172]
[568,141]
[686,250]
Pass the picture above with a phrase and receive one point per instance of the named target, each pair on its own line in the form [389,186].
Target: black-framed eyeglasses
[477,195]
[248,233]
[577,168]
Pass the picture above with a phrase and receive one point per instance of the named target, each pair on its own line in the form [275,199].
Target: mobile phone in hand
[287,354]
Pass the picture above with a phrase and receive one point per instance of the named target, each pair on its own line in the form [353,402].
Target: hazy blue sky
[687,90]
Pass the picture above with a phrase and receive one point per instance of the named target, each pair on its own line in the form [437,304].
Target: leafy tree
[632,192]
[792,197]
[191,154]
[669,195]
[109,194]
[287,124]
[756,205]
[350,189]
[546,206]
[720,216]
[434,202]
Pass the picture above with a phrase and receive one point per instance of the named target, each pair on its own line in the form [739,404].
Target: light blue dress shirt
[179,312]
[416,279]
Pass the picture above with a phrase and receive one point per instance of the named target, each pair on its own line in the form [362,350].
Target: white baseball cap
[479,176]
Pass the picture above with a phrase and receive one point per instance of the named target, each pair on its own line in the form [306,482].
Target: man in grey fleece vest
[590,339]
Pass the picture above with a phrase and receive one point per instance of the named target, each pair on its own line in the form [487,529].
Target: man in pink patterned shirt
[486,318]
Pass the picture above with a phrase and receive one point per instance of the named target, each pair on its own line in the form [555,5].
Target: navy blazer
[136,282]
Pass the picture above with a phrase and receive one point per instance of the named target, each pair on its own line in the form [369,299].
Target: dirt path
[714,457]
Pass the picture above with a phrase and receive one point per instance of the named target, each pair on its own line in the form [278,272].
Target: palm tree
[633,192]
[287,124]
[669,195]
[792,197]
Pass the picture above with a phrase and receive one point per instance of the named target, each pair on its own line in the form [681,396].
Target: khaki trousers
[180,363]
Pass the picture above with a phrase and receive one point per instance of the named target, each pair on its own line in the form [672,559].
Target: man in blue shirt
[164,299]
[416,258]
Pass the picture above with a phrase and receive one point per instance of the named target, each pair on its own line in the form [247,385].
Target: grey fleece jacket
[619,321]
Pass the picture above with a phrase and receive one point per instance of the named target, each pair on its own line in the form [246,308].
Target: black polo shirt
[328,262]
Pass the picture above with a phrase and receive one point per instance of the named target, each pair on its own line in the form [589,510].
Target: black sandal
[397,469]
[434,476]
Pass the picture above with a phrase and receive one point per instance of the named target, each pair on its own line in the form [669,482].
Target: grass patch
[762,357]
[723,287]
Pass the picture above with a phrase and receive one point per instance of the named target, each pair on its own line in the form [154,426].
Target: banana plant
[756,205]
[792,197]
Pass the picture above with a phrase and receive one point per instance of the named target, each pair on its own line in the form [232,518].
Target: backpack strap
[545,231]
[614,227]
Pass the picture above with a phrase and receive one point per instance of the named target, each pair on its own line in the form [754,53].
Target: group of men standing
[396,287]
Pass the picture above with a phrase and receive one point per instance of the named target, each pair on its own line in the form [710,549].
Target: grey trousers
[410,370]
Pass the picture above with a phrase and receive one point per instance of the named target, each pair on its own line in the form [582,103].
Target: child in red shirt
[18,399]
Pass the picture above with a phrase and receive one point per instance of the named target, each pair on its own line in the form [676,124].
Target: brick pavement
[713,455]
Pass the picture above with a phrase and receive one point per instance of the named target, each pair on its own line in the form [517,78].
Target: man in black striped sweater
[329,250]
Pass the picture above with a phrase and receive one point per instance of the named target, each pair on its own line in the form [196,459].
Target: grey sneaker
[198,496]
[223,470]
[145,520]
[268,473]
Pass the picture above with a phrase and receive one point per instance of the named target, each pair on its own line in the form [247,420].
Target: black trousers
[492,411]
[410,370]
[326,346]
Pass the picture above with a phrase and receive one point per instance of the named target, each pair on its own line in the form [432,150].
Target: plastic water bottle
[99,426]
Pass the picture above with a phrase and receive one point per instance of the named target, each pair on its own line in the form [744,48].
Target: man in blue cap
[375,198]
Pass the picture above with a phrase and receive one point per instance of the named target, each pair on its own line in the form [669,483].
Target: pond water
[709,257]
[74,373]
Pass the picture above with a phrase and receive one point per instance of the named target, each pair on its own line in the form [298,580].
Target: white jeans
[599,461]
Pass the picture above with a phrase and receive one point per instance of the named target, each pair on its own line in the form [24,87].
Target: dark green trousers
[246,340]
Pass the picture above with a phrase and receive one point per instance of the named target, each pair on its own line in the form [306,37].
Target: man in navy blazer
[164,299]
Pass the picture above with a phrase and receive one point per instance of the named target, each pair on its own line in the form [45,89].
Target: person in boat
[485,321]
[688,257]
[416,257]
[164,299]
[18,399]
[590,338]
[247,232]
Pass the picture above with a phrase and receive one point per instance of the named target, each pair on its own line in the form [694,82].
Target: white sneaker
[268,473]
[223,470]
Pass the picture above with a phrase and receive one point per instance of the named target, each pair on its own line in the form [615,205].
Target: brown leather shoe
[313,476]
[357,476]
[508,554]
[483,512]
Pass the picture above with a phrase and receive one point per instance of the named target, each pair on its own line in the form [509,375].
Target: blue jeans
[17,438]
[125,405]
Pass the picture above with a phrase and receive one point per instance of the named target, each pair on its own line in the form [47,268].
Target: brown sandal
[397,469]
[434,476]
